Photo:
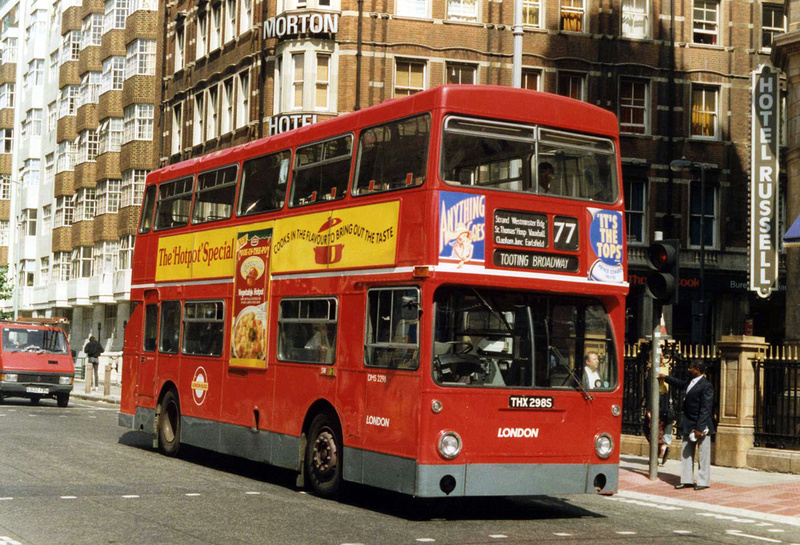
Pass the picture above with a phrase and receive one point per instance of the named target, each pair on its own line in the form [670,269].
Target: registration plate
[530,402]
[35,390]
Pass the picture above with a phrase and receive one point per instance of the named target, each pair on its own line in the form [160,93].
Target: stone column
[736,399]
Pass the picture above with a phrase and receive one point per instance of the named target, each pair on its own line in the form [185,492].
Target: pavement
[734,492]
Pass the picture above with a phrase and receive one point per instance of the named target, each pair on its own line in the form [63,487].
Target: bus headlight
[449,445]
[603,445]
[8,377]
[65,380]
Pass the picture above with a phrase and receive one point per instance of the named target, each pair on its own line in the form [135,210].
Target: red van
[35,362]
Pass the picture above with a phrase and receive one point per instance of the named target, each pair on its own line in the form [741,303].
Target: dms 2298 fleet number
[530,402]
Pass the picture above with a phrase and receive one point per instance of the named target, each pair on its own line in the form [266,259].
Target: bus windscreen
[520,158]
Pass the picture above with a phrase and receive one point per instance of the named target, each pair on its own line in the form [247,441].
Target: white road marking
[562,534]
[5,540]
[646,504]
[737,533]
[498,536]
[425,539]
[258,493]
[6,499]
[726,517]
[764,524]
[130,496]
[69,497]
[627,533]
[775,530]
[682,531]
[192,494]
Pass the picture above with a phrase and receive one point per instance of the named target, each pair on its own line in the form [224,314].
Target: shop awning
[792,236]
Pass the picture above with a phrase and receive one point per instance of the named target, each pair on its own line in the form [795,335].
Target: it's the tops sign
[301,24]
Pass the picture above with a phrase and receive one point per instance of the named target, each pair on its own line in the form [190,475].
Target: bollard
[87,376]
[107,381]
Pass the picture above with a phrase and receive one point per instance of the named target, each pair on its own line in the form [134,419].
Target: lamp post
[683,164]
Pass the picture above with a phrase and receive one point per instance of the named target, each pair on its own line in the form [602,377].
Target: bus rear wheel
[169,425]
[324,456]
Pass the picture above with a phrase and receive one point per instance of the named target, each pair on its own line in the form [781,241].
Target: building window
[108,196]
[6,140]
[33,122]
[530,79]
[307,330]
[705,111]
[230,21]
[54,65]
[44,271]
[179,44]
[463,10]
[113,74]
[88,144]
[49,168]
[110,135]
[70,46]
[5,187]
[531,13]
[199,120]
[773,22]
[409,77]
[201,38]
[705,212]
[105,258]
[28,222]
[573,85]
[82,262]
[85,204]
[47,218]
[215,27]
[30,172]
[52,115]
[245,15]
[461,73]
[412,8]
[92,30]
[138,123]
[298,62]
[212,113]
[141,58]
[705,23]
[143,5]
[242,99]
[115,14]
[125,253]
[62,267]
[635,199]
[323,81]
[68,100]
[89,91]
[65,212]
[635,21]
[66,154]
[177,128]
[633,102]
[7,95]
[35,74]
[4,232]
[572,13]
[226,107]
[8,50]
[132,188]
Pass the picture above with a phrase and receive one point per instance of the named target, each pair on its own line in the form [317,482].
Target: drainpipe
[516,75]
[357,105]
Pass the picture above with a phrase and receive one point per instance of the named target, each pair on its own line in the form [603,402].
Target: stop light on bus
[662,283]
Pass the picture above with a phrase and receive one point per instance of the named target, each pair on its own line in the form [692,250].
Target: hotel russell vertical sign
[764,180]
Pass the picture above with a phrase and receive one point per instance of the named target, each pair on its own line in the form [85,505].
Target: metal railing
[777,403]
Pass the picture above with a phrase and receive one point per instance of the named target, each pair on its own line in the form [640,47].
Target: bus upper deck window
[264,183]
[146,222]
[216,191]
[174,203]
[393,156]
[322,171]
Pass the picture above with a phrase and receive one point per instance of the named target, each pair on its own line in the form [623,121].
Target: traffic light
[662,283]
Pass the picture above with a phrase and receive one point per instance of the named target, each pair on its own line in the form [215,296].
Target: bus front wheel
[169,424]
[324,456]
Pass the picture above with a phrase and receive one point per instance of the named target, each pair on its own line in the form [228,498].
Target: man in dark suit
[698,425]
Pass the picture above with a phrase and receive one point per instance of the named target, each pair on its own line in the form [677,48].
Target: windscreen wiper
[491,309]
[578,382]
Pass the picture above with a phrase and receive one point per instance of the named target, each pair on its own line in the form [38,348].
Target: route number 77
[565,233]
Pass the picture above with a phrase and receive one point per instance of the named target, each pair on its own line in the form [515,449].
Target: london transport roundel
[199,385]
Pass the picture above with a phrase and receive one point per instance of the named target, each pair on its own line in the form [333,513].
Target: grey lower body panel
[390,472]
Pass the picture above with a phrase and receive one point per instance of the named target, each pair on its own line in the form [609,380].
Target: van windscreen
[20,339]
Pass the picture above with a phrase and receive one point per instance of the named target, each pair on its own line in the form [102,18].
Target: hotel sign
[764,180]
[301,24]
[287,122]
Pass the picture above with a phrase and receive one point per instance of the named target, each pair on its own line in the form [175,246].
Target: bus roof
[490,101]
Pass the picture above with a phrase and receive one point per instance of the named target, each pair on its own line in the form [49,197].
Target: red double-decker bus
[425,296]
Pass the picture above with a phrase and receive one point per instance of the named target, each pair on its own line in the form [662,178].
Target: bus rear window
[321,171]
[393,156]
[496,338]
[264,183]
[216,191]
[174,203]
[522,158]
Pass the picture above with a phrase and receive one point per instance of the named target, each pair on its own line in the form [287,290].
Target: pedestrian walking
[93,349]
[697,426]
[666,416]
